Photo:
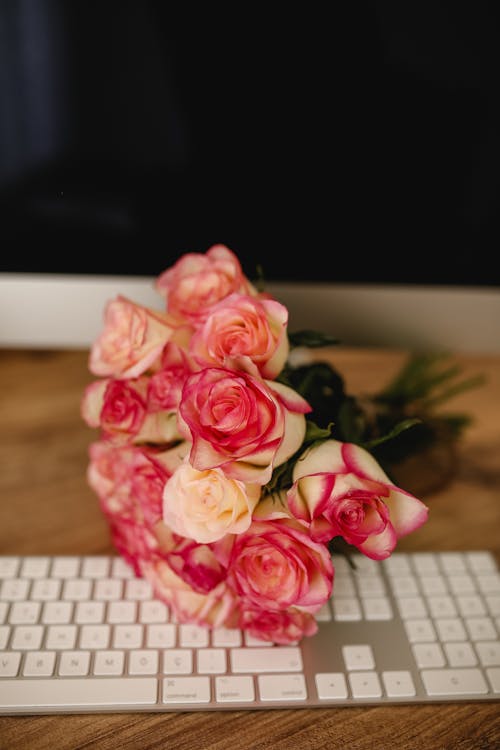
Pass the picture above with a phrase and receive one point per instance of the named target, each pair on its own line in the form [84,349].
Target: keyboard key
[226,637]
[95,567]
[481,628]
[452,562]
[489,583]
[27,637]
[454,682]
[186,690]
[425,563]
[35,567]
[78,692]
[358,657]
[61,637]
[277,659]
[481,562]
[74,663]
[95,636]
[433,584]
[39,663]
[346,609]
[9,663]
[153,612]
[9,566]
[377,608]
[14,589]
[274,687]
[193,636]
[211,660]
[46,589]
[234,688]
[460,655]
[138,588]
[89,613]
[365,684]
[441,606]
[108,589]
[398,684]
[65,567]
[24,613]
[109,662]
[404,585]
[420,630]
[57,613]
[428,655]
[161,636]
[397,564]
[145,661]
[470,605]
[331,685]
[122,612]
[128,636]
[489,653]
[411,607]
[450,629]
[178,661]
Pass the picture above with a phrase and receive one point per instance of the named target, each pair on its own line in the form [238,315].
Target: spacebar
[76,692]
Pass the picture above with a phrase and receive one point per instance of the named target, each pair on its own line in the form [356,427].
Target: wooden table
[46,507]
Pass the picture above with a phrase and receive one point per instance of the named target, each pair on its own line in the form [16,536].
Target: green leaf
[313,432]
[396,430]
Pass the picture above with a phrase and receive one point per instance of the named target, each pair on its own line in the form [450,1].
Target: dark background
[352,144]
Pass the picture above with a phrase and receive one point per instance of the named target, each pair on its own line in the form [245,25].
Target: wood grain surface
[46,507]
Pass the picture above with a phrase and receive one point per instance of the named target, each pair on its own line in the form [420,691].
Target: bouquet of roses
[219,486]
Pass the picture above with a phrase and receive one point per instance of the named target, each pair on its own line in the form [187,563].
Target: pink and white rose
[118,407]
[240,423]
[275,565]
[197,281]
[216,608]
[244,327]
[281,626]
[165,385]
[206,505]
[132,339]
[340,490]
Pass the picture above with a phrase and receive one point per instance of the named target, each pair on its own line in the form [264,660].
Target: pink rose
[197,565]
[275,565]
[111,474]
[197,281]
[340,490]
[246,327]
[241,423]
[132,339]
[283,626]
[216,608]
[118,407]
[165,385]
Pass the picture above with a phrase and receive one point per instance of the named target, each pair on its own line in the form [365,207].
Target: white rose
[206,505]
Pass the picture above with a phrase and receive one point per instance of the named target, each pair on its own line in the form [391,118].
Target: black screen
[351,144]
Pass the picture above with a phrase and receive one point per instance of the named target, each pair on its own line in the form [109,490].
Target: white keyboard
[82,634]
